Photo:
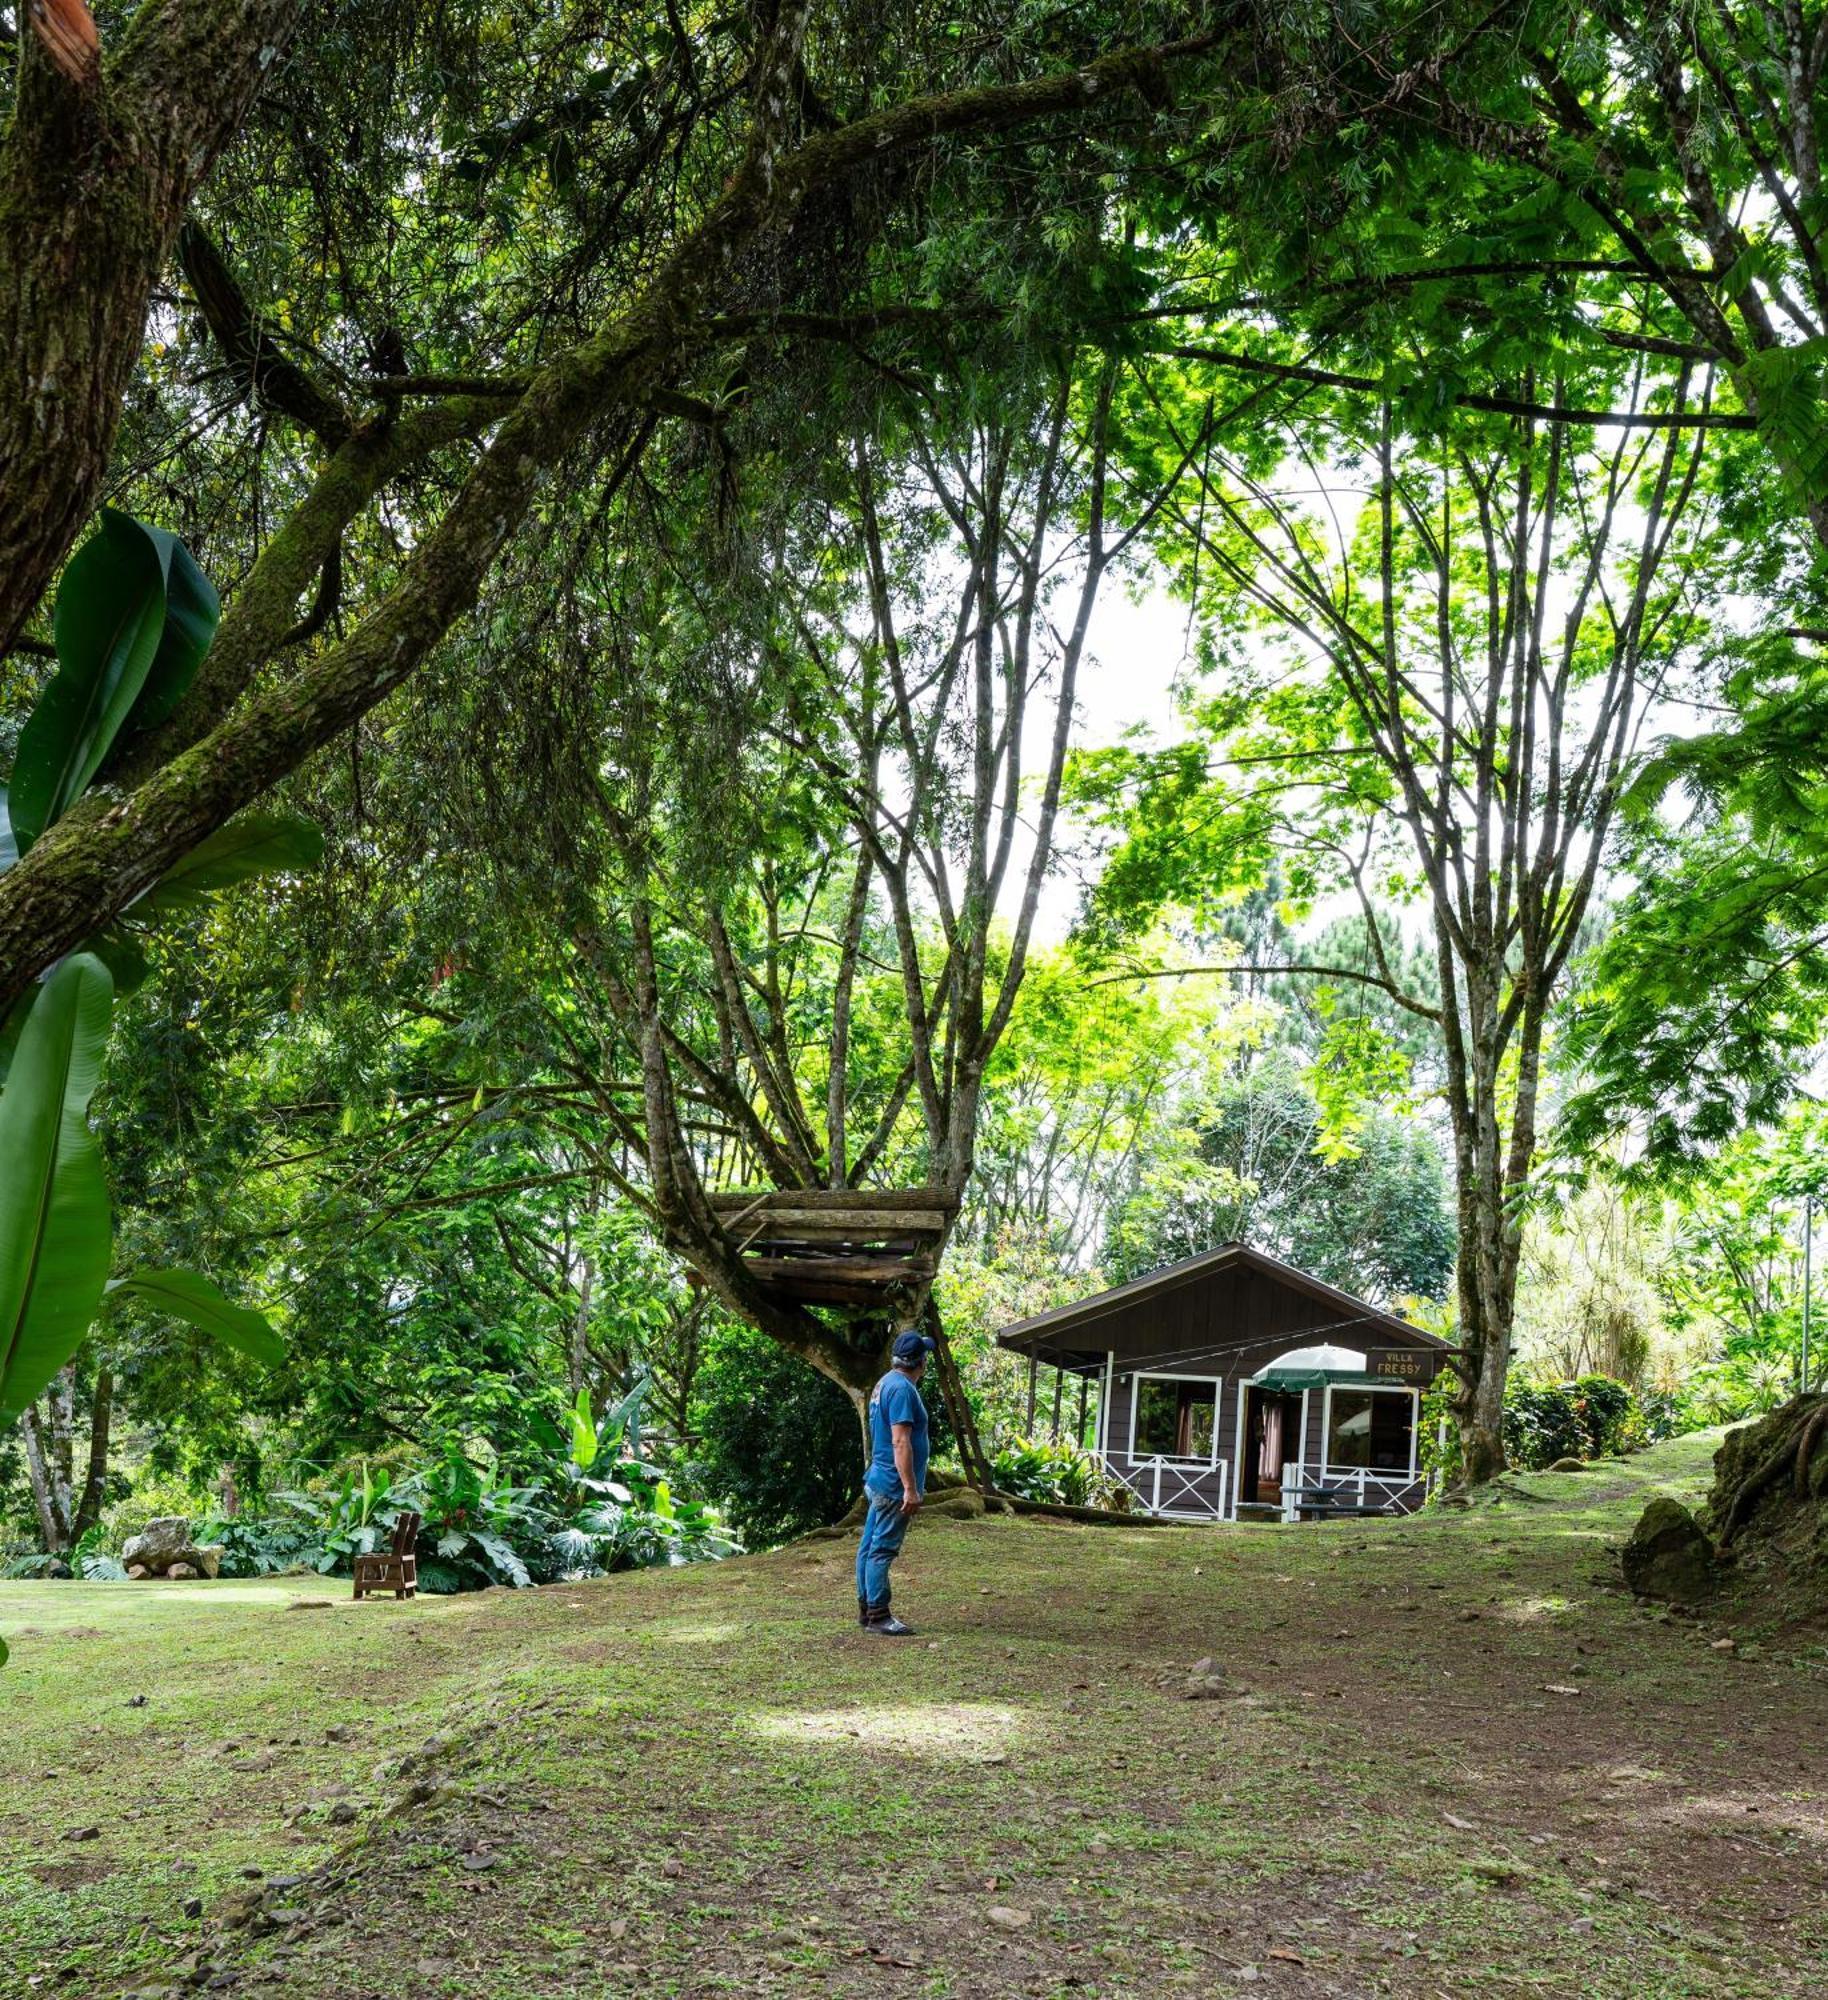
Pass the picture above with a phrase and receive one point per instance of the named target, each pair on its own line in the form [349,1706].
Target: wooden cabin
[1232,1386]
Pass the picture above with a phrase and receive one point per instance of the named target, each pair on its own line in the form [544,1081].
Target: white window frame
[1143,1375]
[1328,1470]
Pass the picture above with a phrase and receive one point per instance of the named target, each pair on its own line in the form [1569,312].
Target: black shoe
[887,1626]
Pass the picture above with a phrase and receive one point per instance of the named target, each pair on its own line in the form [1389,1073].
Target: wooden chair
[398,1569]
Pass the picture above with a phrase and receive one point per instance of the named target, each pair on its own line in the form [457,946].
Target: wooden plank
[825,1270]
[876,1239]
[874,1199]
[803,1291]
[806,1243]
[777,1219]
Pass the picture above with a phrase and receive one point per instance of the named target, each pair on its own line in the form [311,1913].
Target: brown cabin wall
[1229,1325]
[1207,1324]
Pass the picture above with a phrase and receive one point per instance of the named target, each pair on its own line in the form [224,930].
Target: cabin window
[1371,1429]
[1175,1419]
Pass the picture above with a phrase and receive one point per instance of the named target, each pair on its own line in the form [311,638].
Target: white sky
[1135,652]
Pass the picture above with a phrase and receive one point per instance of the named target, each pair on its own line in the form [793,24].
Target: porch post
[1028,1425]
[1059,1389]
[1085,1384]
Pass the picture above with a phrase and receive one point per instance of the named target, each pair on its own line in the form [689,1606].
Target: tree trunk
[580,1330]
[95,1483]
[971,1453]
[95,176]
[47,1460]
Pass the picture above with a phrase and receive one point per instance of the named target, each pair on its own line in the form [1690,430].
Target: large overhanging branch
[1504,406]
[95,862]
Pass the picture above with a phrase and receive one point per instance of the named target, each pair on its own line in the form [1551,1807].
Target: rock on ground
[164,1548]
[1668,1556]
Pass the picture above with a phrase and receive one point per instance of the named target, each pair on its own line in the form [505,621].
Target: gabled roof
[1050,1329]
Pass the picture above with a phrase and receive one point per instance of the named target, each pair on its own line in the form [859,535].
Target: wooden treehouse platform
[839,1246]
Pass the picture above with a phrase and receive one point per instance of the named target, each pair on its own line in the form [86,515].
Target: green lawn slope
[1451,1756]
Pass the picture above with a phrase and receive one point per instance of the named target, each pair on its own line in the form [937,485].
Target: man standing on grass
[894,1481]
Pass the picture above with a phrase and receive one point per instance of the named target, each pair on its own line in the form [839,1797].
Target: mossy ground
[1459,1760]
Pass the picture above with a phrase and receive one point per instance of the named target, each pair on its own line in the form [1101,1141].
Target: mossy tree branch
[98,859]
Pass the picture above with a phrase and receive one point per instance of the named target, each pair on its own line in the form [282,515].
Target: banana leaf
[109,620]
[189,1296]
[56,1235]
[255,843]
[133,619]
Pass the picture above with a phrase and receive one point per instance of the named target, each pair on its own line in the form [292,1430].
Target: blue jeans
[885,1527]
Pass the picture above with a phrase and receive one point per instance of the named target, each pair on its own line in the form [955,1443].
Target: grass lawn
[1457,1759]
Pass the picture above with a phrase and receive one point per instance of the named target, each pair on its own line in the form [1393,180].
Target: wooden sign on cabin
[1418,1365]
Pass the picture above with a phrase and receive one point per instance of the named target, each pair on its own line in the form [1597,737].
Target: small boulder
[1668,1556]
[1569,1465]
[159,1544]
[137,1572]
[1204,1681]
[967,1504]
[181,1572]
[207,1559]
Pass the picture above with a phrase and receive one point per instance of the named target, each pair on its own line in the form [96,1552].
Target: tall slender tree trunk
[978,1469]
[95,1479]
[580,1329]
[46,1428]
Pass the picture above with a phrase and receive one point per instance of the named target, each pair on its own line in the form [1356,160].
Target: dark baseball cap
[910,1347]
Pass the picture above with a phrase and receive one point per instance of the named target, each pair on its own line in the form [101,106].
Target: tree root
[1792,1455]
[1096,1517]
[1813,1427]
[996,1501]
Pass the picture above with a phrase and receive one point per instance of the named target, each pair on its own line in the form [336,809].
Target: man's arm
[902,1435]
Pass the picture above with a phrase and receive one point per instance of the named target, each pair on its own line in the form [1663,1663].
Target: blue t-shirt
[895,1400]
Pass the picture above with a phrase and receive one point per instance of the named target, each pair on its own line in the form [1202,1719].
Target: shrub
[591,1509]
[1032,1470]
[776,1444]
[258,1545]
[1594,1417]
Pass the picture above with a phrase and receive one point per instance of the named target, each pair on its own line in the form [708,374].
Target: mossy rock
[1668,1555]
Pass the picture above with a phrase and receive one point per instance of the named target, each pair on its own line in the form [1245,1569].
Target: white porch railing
[1379,1491]
[1182,1489]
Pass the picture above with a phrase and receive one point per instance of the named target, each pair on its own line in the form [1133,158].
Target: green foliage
[1256,1168]
[55,1230]
[1592,1417]
[1034,1469]
[134,617]
[1700,1012]
[777,1445]
[261,1544]
[479,1527]
[188,1295]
